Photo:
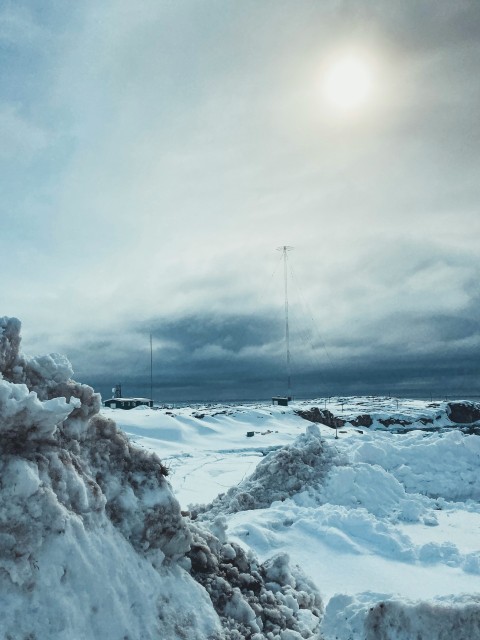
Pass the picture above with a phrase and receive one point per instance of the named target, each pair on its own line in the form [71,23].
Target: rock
[463,412]
[363,420]
[321,416]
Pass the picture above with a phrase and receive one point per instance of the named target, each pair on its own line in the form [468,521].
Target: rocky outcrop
[400,422]
[363,420]
[463,412]
[321,416]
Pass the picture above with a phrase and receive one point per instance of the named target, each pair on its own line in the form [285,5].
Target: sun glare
[348,83]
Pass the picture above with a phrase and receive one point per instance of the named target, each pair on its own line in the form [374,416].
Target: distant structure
[280,400]
[118,402]
[127,403]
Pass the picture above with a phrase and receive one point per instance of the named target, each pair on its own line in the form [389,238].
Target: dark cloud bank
[208,358]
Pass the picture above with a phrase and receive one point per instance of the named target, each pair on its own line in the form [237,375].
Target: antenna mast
[151,370]
[284,250]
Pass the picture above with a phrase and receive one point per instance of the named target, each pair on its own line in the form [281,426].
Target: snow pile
[271,600]
[86,520]
[400,620]
[92,540]
[373,616]
[437,465]
[281,474]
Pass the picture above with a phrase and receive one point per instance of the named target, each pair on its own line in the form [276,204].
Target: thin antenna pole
[151,370]
[284,250]
[287,329]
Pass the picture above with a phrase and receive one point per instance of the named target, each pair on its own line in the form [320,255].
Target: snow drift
[92,540]
[371,616]
[281,474]
[459,619]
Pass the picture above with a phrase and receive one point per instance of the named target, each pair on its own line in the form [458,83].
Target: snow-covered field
[389,531]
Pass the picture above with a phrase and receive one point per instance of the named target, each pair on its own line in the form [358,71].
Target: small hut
[127,403]
[282,401]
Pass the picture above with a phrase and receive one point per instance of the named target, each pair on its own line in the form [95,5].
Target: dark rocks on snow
[326,417]
[363,420]
[254,601]
[321,416]
[463,412]
[391,422]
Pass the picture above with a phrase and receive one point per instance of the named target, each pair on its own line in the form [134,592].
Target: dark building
[127,403]
[282,401]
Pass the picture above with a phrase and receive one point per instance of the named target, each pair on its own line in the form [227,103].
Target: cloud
[21,139]
[17,26]
[215,356]
[164,150]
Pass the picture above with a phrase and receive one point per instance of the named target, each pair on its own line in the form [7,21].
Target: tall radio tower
[285,249]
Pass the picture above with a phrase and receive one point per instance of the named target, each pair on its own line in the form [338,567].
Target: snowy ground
[396,519]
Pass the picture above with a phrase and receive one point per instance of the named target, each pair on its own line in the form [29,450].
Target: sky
[154,155]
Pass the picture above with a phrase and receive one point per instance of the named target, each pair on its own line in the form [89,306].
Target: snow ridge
[298,467]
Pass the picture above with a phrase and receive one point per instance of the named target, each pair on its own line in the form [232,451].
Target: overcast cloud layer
[154,154]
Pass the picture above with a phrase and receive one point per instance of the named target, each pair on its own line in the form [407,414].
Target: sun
[348,83]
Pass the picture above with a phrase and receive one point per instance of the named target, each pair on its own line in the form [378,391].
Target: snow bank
[372,616]
[92,540]
[87,522]
[437,465]
[459,619]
